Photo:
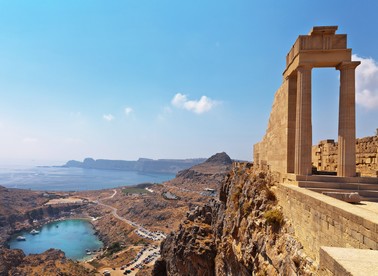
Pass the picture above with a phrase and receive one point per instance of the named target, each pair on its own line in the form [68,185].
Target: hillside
[141,165]
[155,211]
[243,232]
[50,263]
[208,174]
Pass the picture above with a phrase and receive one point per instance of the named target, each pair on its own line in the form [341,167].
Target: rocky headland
[141,165]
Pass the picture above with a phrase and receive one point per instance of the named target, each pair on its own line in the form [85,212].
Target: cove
[73,237]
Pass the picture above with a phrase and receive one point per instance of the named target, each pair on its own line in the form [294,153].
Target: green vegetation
[144,185]
[113,248]
[134,190]
[95,264]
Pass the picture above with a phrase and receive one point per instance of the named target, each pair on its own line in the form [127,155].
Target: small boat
[34,232]
[21,238]
[89,253]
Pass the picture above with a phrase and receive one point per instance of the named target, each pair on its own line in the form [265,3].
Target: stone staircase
[366,187]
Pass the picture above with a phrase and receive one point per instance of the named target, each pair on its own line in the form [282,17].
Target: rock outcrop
[208,174]
[52,262]
[241,233]
[220,158]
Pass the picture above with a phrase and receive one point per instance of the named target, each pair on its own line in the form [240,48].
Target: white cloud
[128,111]
[366,82]
[108,117]
[179,100]
[204,104]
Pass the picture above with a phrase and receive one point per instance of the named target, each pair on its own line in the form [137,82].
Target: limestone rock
[242,233]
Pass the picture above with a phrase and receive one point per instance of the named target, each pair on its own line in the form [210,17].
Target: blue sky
[164,79]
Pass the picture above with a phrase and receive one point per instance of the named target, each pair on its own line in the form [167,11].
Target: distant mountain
[208,174]
[141,165]
[220,158]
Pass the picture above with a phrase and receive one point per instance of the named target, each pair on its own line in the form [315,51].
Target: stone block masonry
[319,220]
[348,261]
[324,156]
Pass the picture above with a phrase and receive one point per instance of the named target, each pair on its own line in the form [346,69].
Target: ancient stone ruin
[324,156]
[287,145]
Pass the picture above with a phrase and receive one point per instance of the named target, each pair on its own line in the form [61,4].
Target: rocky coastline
[120,213]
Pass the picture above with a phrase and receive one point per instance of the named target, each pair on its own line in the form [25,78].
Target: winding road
[131,223]
[139,229]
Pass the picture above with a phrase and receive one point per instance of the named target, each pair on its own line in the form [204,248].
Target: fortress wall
[319,220]
[324,156]
[270,151]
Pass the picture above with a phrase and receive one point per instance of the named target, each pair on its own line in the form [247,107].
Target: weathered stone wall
[324,156]
[271,150]
[319,220]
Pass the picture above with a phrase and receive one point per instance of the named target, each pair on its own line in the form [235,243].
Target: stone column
[346,165]
[291,124]
[303,129]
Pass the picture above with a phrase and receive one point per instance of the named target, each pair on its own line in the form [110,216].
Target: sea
[73,179]
[74,237]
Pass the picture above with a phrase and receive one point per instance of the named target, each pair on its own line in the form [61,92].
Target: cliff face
[241,233]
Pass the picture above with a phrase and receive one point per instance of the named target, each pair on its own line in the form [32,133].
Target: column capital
[347,65]
[292,76]
[304,66]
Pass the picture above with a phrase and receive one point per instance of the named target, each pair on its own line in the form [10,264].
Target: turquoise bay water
[73,179]
[73,237]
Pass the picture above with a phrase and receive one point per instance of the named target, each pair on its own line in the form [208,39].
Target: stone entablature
[324,44]
[324,156]
[326,39]
[287,144]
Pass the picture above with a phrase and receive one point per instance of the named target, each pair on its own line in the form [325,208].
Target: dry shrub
[274,217]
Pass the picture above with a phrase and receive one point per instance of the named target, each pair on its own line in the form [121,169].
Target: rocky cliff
[241,233]
[52,262]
